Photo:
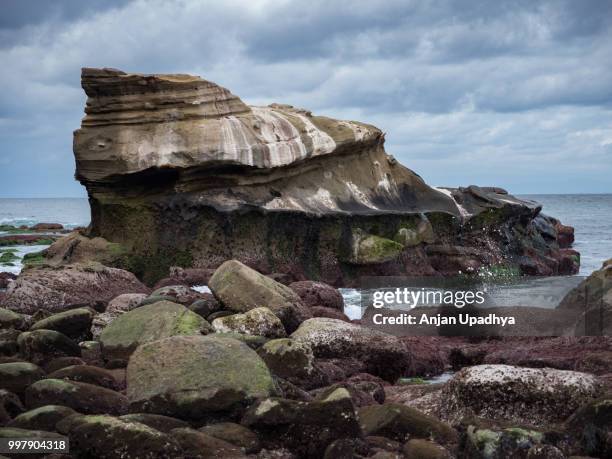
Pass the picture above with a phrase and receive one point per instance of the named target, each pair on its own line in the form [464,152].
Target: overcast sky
[515,94]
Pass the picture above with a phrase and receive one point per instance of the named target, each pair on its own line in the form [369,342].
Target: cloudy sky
[510,93]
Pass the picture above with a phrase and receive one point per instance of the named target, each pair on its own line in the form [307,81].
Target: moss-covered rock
[398,422]
[240,289]
[11,319]
[88,374]
[16,376]
[368,249]
[40,346]
[418,448]
[591,425]
[198,444]
[306,428]
[288,359]
[235,434]
[500,444]
[74,323]
[258,321]
[382,354]
[106,437]
[82,397]
[193,377]
[42,418]
[149,323]
[155,421]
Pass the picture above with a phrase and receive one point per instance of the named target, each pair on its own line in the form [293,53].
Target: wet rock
[200,445]
[522,395]
[40,346]
[15,377]
[288,359]
[370,249]
[545,452]
[179,293]
[292,392]
[253,341]
[62,362]
[193,377]
[88,374]
[11,319]
[241,289]
[185,276]
[74,324]
[320,311]
[6,279]
[8,341]
[10,406]
[347,448]
[400,422]
[149,323]
[423,449]
[60,289]
[106,437]
[42,418]
[116,307]
[235,434]
[206,305]
[306,428]
[383,355]
[318,294]
[258,321]
[155,421]
[82,397]
[591,425]
[511,442]
[364,390]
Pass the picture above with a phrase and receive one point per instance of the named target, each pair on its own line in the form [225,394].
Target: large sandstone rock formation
[181,172]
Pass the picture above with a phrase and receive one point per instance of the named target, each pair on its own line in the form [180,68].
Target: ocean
[589,214]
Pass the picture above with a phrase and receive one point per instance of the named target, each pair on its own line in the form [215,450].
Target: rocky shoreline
[262,369]
[107,338]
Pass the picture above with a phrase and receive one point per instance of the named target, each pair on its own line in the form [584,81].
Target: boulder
[42,418]
[10,406]
[206,305]
[288,359]
[106,437]
[511,442]
[68,287]
[88,374]
[522,395]
[62,362]
[200,445]
[241,289]
[181,294]
[155,421]
[418,448]
[82,397]
[40,346]
[382,355]
[8,341]
[318,294]
[370,249]
[235,434]
[591,425]
[74,323]
[15,377]
[194,377]
[306,428]
[11,319]
[320,311]
[258,321]
[149,323]
[401,422]
[364,390]
[117,306]
[6,279]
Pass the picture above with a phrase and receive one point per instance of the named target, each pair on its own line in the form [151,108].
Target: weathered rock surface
[106,437]
[318,294]
[39,346]
[241,289]
[194,377]
[146,324]
[74,323]
[258,322]
[42,418]
[16,376]
[305,427]
[383,355]
[525,396]
[81,397]
[117,306]
[68,287]
[180,172]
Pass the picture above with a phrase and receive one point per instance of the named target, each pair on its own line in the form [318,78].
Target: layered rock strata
[181,172]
